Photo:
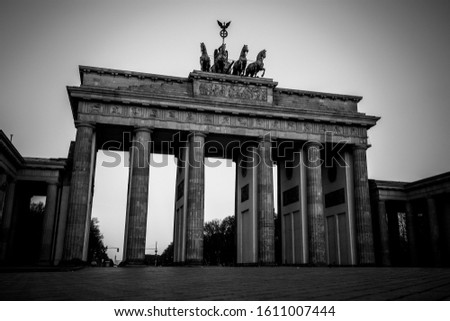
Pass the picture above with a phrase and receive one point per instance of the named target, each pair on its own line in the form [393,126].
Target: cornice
[45,163]
[8,149]
[321,95]
[127,73]
[209,76]
[440,179]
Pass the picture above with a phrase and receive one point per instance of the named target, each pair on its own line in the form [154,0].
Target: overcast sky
[393,53]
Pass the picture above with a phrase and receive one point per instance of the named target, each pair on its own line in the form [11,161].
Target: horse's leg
[264,71]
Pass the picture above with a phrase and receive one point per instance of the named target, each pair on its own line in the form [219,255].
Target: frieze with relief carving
[197,117]
[233,91]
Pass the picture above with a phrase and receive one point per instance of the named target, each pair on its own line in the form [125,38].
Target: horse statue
[239,66]
[205,61]
[257,66]
[221,63]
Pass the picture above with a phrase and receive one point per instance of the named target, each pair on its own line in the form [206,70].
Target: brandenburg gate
[227,110]
[317,140]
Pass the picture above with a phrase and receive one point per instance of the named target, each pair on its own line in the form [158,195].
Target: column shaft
[266,226]
[316,217]
[3,187]
[138,198]
[364,232]
[48,224]
[384,233]
[434,230]
[5,238]
[411,233]
[196,199]
[79,193]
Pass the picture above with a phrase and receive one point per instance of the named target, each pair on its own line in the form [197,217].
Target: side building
[32,237]
[412,221]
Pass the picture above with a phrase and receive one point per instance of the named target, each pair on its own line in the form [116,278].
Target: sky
[393,53]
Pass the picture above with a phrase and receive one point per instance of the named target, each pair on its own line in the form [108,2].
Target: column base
[72,263]
[133,263]
[45,263]
[193,262]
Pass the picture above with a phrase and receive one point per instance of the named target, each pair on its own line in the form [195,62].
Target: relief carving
[209,119]
[338,130]
[259,122]
[233,91]
[116,110]
[242,121]
[136,112]
[274,124]
[96,109]
[291,125]
[308,127]
[172,114]
[190,116]
[224,120]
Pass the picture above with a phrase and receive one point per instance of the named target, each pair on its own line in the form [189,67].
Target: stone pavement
[228,283]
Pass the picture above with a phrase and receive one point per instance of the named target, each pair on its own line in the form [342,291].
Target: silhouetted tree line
[166,258]
[96,248]
[219,243]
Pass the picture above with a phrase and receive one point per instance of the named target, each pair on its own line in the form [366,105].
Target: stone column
[3,186]
[364,232]
[384,233]
[79,193]
[62,221]
[434,230]
[48,224]
[195,199]
[314,204]
[265,206]
[411,233]
[7,220]
[138,199]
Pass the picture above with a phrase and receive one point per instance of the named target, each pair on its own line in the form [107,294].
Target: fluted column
[265,206]
[411,233]
[48,223]
[384,233]
[195,199]
[315,212]
[364,231]
[434,230]
[77,217]
[6,220]
[138,199]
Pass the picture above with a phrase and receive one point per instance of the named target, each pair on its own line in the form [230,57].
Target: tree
[228,230]
[278,238]
[96,248]
[166,257]
[219,246]
[212,242]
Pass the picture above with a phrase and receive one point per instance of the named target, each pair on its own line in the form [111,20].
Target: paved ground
[224,283]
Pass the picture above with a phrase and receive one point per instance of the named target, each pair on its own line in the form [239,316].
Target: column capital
[312,144]
[265,138]
[53,183]
[143,129]
[359,147]
[80,123]
[201,134]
